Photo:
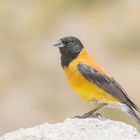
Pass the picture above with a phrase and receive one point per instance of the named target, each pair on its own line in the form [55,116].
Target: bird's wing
[108,84]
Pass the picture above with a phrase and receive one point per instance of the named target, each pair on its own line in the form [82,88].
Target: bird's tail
[132,113]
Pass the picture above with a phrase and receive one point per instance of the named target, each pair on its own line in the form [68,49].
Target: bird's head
[69,48]
[71,45]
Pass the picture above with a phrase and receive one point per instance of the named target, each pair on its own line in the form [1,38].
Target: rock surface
[77,129]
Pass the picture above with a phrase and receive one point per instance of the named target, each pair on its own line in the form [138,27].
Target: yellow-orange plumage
[84,88]
[90,81]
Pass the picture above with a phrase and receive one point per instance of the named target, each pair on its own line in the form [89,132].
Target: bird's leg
[92,113]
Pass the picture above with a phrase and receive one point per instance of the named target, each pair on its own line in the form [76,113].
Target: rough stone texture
[77,129]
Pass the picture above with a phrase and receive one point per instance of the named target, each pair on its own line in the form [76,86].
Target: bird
[90,81]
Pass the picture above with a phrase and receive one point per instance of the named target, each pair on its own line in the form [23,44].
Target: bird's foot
[97,115]
[88,115]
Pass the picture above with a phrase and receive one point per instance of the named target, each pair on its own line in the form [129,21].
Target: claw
[95,115]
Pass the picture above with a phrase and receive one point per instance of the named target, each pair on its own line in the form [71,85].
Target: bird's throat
[67,57]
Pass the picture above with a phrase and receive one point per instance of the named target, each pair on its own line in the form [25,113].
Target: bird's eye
[70,43]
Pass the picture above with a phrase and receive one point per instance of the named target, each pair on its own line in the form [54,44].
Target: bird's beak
[59,44]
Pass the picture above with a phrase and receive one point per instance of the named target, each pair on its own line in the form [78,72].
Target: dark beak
[59,44]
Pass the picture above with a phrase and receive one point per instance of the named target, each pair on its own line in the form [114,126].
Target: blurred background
[33,88]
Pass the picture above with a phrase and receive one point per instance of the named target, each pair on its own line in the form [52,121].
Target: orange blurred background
[33,88]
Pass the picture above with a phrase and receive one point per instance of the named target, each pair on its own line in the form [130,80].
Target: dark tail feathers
[132,113]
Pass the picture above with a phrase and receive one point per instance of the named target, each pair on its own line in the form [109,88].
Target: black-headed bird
[90,81]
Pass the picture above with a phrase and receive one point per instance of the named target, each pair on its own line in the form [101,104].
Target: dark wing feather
[106,83]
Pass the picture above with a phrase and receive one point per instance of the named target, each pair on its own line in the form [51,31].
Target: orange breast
[88,91]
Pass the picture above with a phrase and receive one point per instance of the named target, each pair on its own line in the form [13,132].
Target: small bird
[90,81]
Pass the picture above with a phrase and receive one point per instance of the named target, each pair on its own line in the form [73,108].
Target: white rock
[77,129]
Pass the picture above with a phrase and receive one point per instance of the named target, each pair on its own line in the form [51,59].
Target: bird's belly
[87,90]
